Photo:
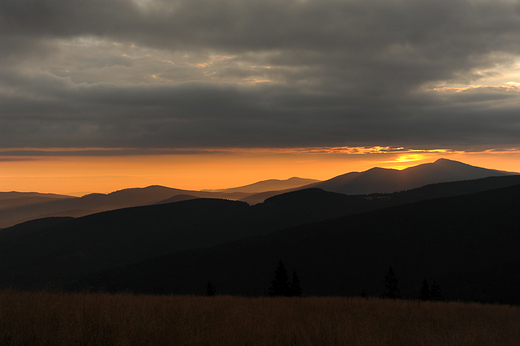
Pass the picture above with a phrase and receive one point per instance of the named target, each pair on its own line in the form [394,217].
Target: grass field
[102,319]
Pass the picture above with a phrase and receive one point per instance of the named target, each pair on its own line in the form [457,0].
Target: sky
[99,95]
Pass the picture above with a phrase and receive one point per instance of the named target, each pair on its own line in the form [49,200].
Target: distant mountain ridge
[16,207]
[19,207]
[16,195]
[270,185]
[18,199]
[98,202]
[385,180]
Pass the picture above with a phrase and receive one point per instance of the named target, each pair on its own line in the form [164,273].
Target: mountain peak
[379,169]
[448,161]
[383,180]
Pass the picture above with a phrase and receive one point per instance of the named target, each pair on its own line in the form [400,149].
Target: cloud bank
[259,73]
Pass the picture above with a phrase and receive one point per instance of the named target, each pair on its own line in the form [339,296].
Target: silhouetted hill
[449,189]
[103,240]
[34,226]
[97,202]
[14,199]
[12,195]
[262,196]
[468,244]
[270,185]
[377,180]
[429,191]
[25,201]
[177,198]
[16,207]
[110,238]
[383,180]
[113,238]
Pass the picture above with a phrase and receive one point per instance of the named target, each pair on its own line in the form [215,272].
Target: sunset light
[240,92]
[78,172]
[202,172]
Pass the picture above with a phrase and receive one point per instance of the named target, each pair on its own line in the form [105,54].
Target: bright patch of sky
[502,77]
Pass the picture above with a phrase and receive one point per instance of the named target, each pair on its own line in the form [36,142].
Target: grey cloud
[336,73]
[201,115]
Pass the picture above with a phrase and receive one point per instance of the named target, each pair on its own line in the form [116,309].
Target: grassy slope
[102,319]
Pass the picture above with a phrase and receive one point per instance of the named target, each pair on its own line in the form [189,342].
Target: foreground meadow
[102,319]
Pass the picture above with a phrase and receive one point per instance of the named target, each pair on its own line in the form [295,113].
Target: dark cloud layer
[259,73]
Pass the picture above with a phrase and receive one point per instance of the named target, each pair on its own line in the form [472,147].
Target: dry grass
[102,319]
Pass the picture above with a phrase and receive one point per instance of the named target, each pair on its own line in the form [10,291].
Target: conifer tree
[435,291]
[280,285]
[424,291]
[210,289]
[296,290]
[391,285]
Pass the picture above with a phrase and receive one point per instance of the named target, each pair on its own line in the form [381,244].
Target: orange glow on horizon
[72,173]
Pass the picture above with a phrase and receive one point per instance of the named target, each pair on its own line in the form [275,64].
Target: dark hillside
[468,244]
[26,228]
[104,240]
[68,251]
[300,207]
[98,202]
[429,191]
[85,205]
[456,188]
[177,198]
[107,239]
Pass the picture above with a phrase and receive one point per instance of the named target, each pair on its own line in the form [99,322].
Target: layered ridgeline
[270,185]
[379,180]
[467,244]
[15,209]
[18,207]
[12,201]
[384,180]
[62,250]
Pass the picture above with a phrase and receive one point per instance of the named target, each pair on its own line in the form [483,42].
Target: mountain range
[270,185]
[18,207]
[170,243]
[384,180]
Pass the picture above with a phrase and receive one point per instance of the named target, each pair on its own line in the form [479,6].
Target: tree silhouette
[391,285]
[424,291]
[210,289]
[280,285]
[296,290]
[435,292]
